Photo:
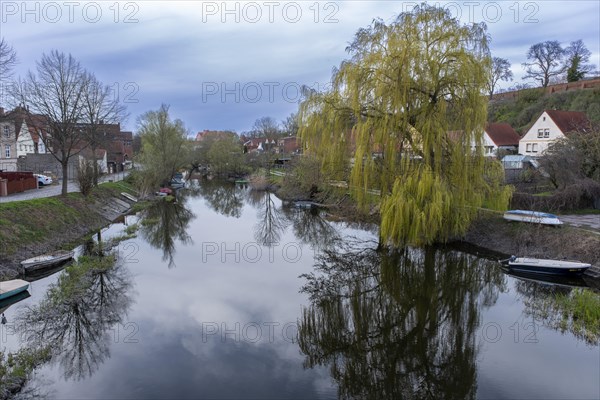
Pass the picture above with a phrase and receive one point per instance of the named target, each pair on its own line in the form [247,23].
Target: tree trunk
[95,165]
[65,175]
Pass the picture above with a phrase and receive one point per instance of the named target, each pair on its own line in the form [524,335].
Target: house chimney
[1,111]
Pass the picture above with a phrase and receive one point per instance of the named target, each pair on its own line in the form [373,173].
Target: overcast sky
[222,65]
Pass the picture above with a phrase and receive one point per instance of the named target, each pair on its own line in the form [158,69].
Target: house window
[489,149]
[546,133]
[540,133]
[528,148]
[7,151]
[534,148]
[6,131]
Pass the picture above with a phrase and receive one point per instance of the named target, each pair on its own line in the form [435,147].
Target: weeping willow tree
[164,149]
[390,113]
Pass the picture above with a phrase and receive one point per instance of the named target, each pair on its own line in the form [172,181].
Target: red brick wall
[561,87]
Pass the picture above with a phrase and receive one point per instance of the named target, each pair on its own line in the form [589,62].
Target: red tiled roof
[569,121]
[502,134]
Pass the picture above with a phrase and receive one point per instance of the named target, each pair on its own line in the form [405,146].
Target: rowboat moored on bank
[535,217]
[46,260]
[543,266]
[12,287]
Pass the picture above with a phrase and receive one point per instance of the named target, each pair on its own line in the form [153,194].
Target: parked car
[43,180]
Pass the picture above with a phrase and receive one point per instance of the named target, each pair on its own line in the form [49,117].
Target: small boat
[6,303]
[177,183]
[41,273]
[129,197]
[46,260]
[541,266]
[304,204]
[549,279]
[13,287]
[535,217]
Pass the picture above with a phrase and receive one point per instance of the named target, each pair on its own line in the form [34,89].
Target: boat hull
[547,267]
[548,270]
[6,303]
[532,217]
[11,288]
[46,261]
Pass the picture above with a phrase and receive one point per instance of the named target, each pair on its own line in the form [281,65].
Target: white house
[25,144]
[496,136]
[101,158]
[499,136]
[550,126]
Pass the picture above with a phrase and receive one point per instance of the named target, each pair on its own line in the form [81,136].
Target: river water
[229,293]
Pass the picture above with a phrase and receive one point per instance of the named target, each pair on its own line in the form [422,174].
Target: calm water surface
[230,294]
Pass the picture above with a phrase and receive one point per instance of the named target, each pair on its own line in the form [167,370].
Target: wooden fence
[19,181]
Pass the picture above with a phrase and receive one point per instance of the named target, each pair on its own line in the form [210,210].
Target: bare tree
[573,158]
[8,60]
[265,127]
[290,125]
[545,61]
[500,72]
[577,55]
[100,107]
[57,92]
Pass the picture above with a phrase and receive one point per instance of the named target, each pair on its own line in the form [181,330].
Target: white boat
[535,217]
[46,260]
[542,266]
[129,197]
[11,288]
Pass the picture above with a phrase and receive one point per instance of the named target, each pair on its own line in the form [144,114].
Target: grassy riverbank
[32,227]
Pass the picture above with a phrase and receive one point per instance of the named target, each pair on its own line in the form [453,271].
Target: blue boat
[13,287]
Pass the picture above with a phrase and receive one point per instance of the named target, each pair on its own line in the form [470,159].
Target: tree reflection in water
[75,319]
[561,304]
[165,222]
[225,198]
[311,228]
[395,325]
[271,221]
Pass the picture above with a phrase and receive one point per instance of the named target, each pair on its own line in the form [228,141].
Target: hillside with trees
[522,111]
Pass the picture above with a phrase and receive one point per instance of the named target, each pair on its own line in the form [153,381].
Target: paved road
[56,189]
[590,221]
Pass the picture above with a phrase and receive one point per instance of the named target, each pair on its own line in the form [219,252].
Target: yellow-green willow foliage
[389,114]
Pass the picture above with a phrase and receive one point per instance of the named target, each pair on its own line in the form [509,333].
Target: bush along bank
[32,227]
